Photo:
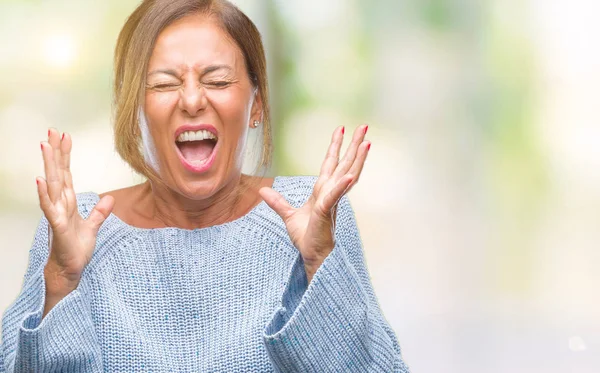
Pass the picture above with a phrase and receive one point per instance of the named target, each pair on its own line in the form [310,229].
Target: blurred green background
[479,205]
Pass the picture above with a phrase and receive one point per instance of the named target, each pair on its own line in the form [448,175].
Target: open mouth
[196,147]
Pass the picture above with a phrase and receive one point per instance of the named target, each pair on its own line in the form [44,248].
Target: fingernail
[63,136]
[366,129]
[369,147]
[42,146]
[37,181]
[343,130]
[48,133]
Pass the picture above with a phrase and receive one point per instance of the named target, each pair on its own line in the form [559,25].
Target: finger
[66,145]
[52,179]
[277,202]
[45,202]
[100,213]
[54,141]
[331,159]
[340,188]
[333,154]
[350,154]
[359,162]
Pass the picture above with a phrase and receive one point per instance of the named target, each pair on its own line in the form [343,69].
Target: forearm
[50,326]
[58,286]
[331,324]
[44,331]
[311,267]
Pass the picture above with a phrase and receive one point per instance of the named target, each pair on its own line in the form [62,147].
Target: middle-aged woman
[201,268]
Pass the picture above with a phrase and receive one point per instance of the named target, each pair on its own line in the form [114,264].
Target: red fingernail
[42,146]
[37,181]
[366,129]
[369,147]
[343,130]
[48,133]
[63,136]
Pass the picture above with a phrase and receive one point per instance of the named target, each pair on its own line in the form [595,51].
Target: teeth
[196,136]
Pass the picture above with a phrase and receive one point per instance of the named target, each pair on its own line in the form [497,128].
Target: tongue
[196,151]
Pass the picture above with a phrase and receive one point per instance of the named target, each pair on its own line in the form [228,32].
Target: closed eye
[163,86]
[218,84]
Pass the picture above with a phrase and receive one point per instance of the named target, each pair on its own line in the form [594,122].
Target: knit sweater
[232,297]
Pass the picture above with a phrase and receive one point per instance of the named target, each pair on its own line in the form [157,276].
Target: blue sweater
[228,298]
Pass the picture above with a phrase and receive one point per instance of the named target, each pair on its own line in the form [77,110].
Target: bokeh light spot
[60,50]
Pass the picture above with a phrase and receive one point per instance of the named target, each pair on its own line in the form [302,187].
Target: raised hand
[312,226]
[71,238]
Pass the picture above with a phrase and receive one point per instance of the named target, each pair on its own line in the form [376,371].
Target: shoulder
[38,254]
[295,189]
[299,188]
[86,202]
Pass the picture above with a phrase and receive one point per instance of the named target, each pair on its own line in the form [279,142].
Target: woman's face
[198,89]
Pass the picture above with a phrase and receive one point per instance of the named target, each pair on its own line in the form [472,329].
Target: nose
[193,98]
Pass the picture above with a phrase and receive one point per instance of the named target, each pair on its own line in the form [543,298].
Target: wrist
[311,268]
[309,273]
[58,283]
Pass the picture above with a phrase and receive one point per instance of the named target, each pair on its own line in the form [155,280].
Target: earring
[255,124]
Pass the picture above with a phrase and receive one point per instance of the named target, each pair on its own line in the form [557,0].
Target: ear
[257,108]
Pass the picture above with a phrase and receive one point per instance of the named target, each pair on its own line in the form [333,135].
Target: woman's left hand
[312,226]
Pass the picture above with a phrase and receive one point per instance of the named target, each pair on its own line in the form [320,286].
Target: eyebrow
[208,69]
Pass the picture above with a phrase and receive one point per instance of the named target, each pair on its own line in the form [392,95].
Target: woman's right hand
[72,239]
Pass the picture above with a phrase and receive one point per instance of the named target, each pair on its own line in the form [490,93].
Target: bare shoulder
[266,182]
[123,193]
[125,198]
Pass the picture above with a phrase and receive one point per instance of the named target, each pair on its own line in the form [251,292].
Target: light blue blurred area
[479,203]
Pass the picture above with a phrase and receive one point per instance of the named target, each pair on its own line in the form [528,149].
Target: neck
[170,209]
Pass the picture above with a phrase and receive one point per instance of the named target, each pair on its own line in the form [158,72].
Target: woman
[201,268]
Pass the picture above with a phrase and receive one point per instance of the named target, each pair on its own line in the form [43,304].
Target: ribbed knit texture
[227,298]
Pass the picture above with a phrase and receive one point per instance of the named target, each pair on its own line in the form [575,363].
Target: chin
[199,189]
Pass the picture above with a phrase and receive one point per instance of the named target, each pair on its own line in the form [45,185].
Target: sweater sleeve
[64,340]
[333,324]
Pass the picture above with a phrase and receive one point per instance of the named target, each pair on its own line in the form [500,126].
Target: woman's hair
[134,47]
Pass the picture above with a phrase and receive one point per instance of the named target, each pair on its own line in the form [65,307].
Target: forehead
[195,41]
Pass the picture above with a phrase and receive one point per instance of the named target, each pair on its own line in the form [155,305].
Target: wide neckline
[255,210]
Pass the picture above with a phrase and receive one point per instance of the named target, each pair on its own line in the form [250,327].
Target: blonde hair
[133,50]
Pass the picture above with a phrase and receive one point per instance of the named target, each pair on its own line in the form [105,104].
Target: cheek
[158,113]
[159,109]
[232,108]
[160,104]
[234,113]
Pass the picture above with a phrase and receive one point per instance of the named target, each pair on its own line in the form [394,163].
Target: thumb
[277,202]
[99,214]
